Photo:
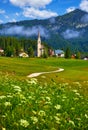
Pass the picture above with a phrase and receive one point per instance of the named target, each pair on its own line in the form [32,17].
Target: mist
[22,31]
[52,20]
[68,34]
[84,19]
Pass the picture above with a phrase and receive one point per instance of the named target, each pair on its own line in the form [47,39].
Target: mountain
[70,30]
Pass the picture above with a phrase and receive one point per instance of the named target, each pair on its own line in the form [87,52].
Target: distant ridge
[70,29]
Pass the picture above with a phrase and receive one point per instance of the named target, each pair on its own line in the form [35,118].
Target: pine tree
[78,55]
[68,53]
[30,52]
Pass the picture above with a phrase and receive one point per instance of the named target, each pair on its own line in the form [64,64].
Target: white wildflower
[77,83]
[75,91]
[48,103]
[44,91]
[34,119]
[3,128]
[58,96]
[48,98]
[17,88]
[3,116]
[2,97]
[33,81]
[58,106]
[58,114]
[34,112]
[22,97]
[72,108]
[79,119]
[66,84]
[57,119]
[9,96]
[85,81]
[72,122]
[78,94]
[7,104]
[23,101]
[64,97]
[86,115]
[41,113]
[76,99]
[24,123]
[30,97]
[40,87]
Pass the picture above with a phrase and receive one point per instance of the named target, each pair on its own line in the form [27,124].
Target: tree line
[13,46]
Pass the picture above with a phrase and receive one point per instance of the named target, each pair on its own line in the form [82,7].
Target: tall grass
[28,105]
[57,101]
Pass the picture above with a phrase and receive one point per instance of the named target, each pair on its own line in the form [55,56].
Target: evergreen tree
[9,51]
[78,55]
[68,53]
[30,52]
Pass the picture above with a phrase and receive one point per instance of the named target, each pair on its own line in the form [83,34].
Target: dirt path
[37,74]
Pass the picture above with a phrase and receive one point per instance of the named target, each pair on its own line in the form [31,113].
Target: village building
[1,52]
[73,56]
[59,53]
[40,47]
[85,58]
[51,52]
[23,54]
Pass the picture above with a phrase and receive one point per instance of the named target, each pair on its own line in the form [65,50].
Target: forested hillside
[60,32]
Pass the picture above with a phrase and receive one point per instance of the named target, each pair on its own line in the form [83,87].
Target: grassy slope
[52,106]
[75,70]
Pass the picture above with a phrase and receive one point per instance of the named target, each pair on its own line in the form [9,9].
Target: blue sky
[17,10]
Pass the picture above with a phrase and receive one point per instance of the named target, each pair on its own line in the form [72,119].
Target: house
[86,58]
[59,53]
[51,52]
[23,54]
[73,56]
[1,52]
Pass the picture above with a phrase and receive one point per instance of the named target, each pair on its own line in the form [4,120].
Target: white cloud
[68,34]
[34,8]
[32,3]
[17,14]
[70,9]
[6,16]
[84,5]
[36,13]
[1,21]
[2,11]
[22,31]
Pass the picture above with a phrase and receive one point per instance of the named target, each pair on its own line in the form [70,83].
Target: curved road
[37,74]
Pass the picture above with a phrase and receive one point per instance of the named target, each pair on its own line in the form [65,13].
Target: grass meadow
[56,101]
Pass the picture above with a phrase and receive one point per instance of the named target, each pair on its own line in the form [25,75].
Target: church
[40,47]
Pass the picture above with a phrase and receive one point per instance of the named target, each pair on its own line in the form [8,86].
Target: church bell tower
[39,45]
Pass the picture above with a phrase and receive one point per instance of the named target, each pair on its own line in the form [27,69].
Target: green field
[56,101]
[21,67]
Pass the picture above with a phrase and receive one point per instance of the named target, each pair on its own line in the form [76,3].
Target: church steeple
[39,45]
[39,39]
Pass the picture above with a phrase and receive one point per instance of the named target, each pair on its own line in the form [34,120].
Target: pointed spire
[38,33]
[39,39]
